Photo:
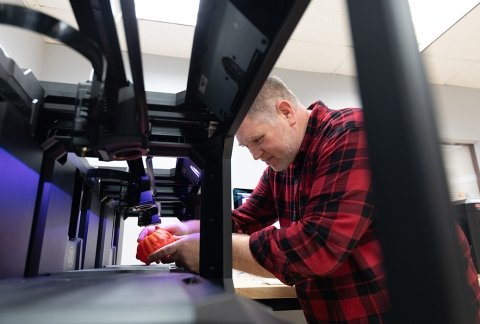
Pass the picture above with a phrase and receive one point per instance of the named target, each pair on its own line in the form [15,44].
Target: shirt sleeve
[472,276]
[338,214]
[258,211]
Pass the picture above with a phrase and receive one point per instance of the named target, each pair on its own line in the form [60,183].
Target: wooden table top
[255,287]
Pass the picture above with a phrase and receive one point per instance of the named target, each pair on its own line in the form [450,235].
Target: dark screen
[240,195]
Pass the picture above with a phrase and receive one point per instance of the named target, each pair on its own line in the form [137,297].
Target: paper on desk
[245,276]
[271,281]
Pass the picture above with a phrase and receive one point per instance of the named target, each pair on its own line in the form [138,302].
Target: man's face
[273,142]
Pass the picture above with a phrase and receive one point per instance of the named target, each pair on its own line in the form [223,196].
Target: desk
[269,291]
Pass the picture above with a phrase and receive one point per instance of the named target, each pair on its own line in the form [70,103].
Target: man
[318,185]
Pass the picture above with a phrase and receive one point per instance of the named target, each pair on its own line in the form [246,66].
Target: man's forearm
[243,259]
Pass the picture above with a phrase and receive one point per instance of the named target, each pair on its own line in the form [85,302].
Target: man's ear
[285,109]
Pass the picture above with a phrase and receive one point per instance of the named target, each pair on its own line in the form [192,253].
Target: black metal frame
[426,275]
[215,253]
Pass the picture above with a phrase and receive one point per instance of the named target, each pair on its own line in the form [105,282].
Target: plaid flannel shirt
[327,244]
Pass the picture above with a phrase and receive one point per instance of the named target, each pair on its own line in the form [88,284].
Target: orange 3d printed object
[153,242]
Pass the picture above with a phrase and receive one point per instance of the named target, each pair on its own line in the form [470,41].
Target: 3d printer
[62,220]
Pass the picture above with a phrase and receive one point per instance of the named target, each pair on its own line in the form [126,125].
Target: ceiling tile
[347,66]
[460,41]
[166,39]
[325,22]
[59,4]
[64,13]
[14,2]
[441,70]
[469,78]
[313,57]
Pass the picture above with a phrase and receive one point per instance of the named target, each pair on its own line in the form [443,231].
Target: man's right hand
[185,252]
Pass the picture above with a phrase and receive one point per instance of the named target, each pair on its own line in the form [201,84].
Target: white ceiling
[320,43]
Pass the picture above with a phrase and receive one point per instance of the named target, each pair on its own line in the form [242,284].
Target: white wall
[63,64]
[168,74]
[24,47]
[336,91]
[458,113]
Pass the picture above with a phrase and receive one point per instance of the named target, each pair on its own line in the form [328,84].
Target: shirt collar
[318,109]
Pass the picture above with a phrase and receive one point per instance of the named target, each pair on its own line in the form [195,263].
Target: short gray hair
[272,90]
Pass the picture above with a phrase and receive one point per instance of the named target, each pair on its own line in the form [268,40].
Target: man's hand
[146,231]
[178,228]
[185,252]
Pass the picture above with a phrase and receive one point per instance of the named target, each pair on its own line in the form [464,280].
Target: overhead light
[182,12]
[431,18]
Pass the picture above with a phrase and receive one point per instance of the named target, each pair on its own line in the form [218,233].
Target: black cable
[44,24]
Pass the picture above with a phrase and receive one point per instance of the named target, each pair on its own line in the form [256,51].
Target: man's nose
[256,153]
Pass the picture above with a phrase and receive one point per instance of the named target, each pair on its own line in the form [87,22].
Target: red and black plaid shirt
[327,244]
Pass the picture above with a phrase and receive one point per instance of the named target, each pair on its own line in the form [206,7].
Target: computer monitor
[240,195]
